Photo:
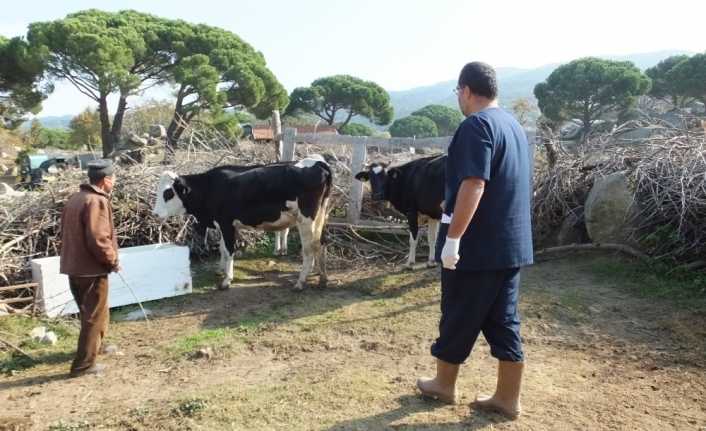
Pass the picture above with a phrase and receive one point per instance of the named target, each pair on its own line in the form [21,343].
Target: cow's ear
[393,173]
[362,176]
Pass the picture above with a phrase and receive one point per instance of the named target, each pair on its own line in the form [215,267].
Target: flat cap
[100,168]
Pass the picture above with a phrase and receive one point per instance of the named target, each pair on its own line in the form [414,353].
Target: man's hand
[449,254]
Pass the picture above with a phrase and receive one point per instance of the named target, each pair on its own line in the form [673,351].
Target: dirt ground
[600,356]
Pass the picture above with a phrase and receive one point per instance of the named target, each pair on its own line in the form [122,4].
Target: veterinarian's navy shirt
[493,146]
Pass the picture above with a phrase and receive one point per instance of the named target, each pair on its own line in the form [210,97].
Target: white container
[152,271]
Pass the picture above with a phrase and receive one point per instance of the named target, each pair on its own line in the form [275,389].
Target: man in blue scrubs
[485,238]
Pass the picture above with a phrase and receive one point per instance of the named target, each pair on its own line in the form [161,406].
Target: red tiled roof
[262,133]
[265,133]
[324,129]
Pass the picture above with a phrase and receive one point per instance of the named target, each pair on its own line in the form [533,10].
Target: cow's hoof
[299,287]
[409,266]
[431,264]
[323,283]
[223,286]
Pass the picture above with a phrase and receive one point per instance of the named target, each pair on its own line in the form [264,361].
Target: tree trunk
[172,139]
[546,136]
[170,143]
[331,118]
[586,120]
[118,119]
[106,137]
[348,119]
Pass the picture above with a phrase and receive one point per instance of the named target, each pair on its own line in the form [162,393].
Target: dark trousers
[91,295]
[475,301]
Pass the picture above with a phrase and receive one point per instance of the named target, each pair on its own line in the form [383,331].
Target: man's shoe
[443,386]
[506,399]
[95,370]
[109,349]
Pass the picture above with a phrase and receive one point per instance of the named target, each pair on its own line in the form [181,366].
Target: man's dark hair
[480,79]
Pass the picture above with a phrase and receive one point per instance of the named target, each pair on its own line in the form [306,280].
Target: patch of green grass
[656,280]
[227,336]
[190,408]
[204,275]
[348,393]
[573,300]
[16,329]
[205,337]
[66,426]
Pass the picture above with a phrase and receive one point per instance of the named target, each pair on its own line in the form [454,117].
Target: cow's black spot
[168,195]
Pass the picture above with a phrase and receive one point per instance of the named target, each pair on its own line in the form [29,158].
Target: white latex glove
[449,254]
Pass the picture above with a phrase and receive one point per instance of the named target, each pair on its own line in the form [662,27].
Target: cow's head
[171,193]
[379,176]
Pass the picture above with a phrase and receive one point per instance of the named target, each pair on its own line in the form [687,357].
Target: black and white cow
[270,197]
[281,236]
[416,189]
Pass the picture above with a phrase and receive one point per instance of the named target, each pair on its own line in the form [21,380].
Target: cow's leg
[285,240]
[221,248]
[278,235]
[433,232]
[223,252]
[413,237]
[320,239]
[281,239]
[306,234]
[228,240]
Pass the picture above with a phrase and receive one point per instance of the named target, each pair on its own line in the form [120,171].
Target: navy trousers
[474,302]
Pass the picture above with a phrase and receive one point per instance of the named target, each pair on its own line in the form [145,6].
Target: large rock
[573,229]
[641,134]
[135,140]
[607,209]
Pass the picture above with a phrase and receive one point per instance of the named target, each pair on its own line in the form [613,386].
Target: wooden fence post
[288,144]
[277,132]
[360,154]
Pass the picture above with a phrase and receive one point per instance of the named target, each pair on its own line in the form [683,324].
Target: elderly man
[485,237]
[89,252]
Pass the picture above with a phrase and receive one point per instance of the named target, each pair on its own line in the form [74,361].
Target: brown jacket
[89,243]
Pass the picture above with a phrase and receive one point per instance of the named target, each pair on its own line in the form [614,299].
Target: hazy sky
[404,44]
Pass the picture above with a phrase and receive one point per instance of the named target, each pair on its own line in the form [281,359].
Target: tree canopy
[85,129]
[689,77]
[414,126]
[20,74]
[329,96]
[126,52]
[356,129]
[217,70]
[101,53]
[589,88]
[446,119]
[663,85]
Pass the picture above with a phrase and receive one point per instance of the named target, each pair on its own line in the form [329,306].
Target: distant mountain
[51,122]
[514,84]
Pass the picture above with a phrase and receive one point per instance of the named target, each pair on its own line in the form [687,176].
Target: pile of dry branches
[29,226]
[667,172]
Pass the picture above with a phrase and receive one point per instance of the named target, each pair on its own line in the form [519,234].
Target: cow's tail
[328,181]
